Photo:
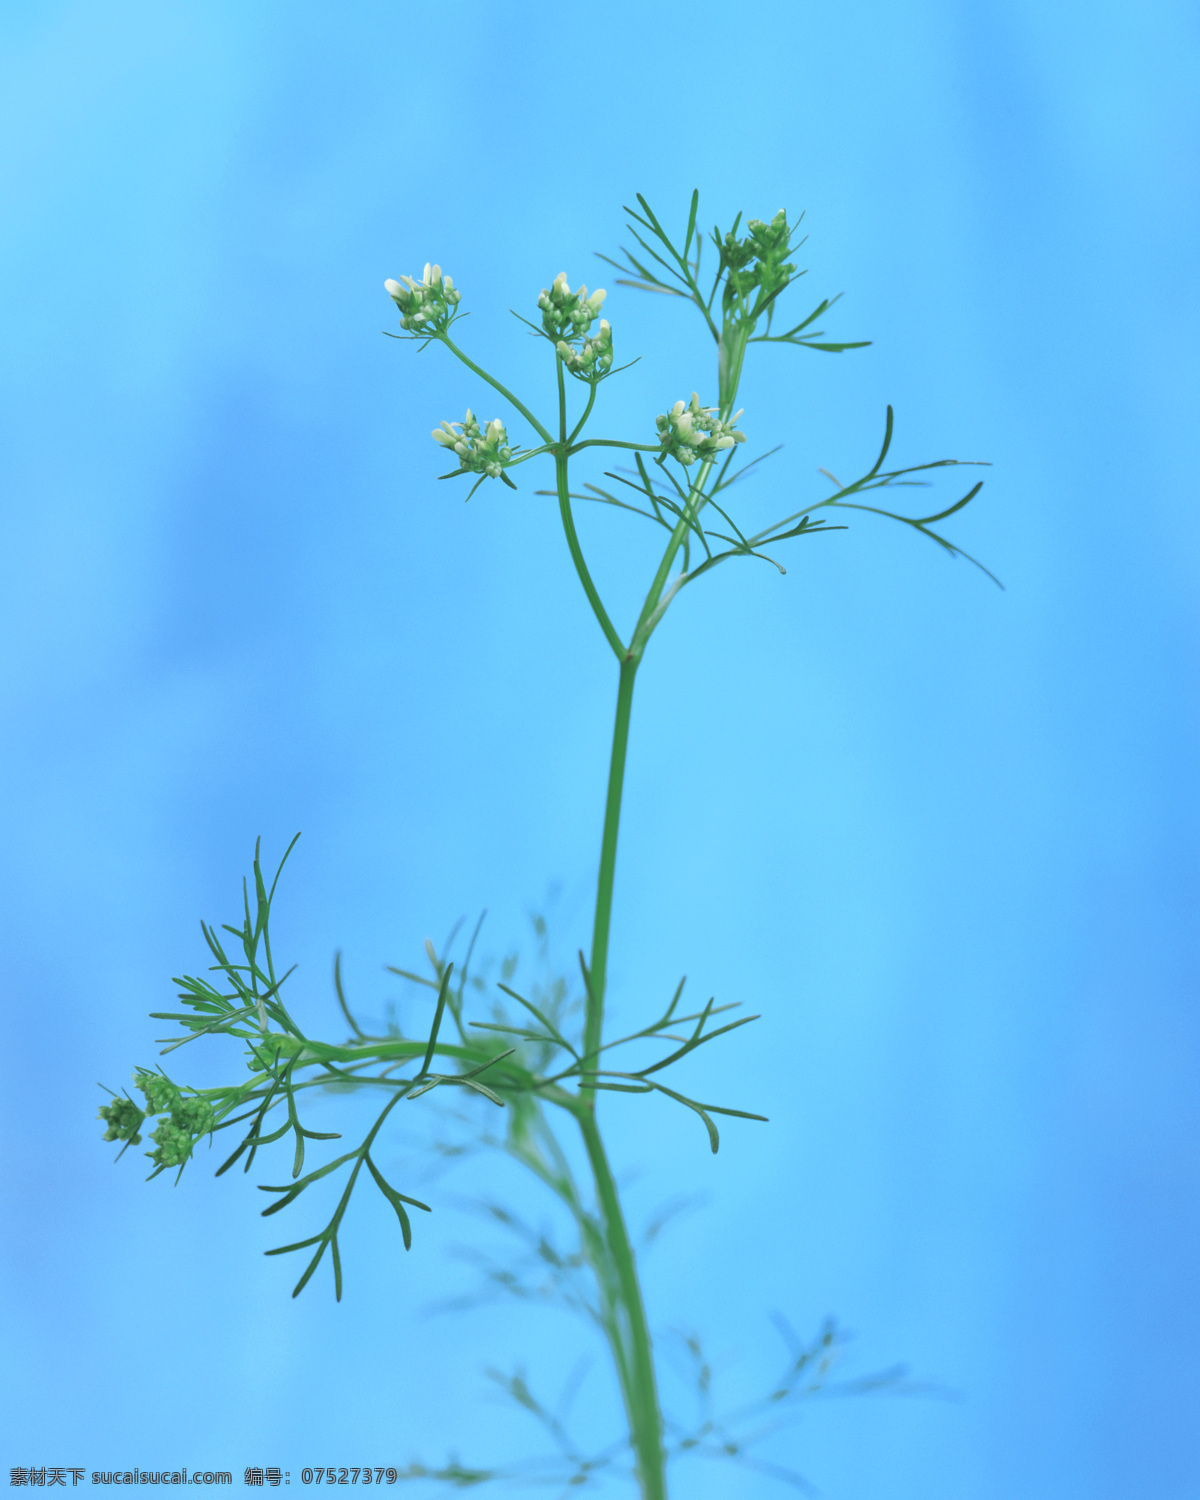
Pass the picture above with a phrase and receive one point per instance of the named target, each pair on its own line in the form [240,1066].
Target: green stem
[646,620]
[633,1352]
[602,924]
[615,443]
[731,352]
[587,410]
[628,1330]
[561,460]
[495,384]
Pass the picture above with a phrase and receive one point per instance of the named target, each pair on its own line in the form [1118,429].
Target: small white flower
[479,451]
[691,432]
[425,305]
[567,317]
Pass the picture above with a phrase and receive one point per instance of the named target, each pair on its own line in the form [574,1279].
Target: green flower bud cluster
[161,1094]
[594,356]
[765,245]
[479,451]
[174,1136]
[694,431]
[123,1118]
[426,306]
[567,314]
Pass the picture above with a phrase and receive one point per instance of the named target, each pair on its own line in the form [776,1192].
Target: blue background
[943,837]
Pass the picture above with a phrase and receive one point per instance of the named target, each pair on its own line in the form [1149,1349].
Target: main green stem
[602,922]
[628,1330]
[625,1322]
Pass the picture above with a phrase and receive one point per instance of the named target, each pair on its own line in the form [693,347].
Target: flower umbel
[161,1094]
[479,451]
[567,318]
[694,431]
[123,1119]
[176,1135]
[593,359]
[184,1118]
[426,306]
[567,314]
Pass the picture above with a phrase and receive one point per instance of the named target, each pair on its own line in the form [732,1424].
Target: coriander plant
[543,1061]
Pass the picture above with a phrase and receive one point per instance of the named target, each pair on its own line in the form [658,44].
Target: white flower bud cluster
[688,432]
[426,305]
[567,314]
[594,356]
[480,451]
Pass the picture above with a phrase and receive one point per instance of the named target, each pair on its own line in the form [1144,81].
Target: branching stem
[568,522]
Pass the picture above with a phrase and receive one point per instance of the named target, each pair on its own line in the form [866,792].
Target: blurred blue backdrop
[943,837]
